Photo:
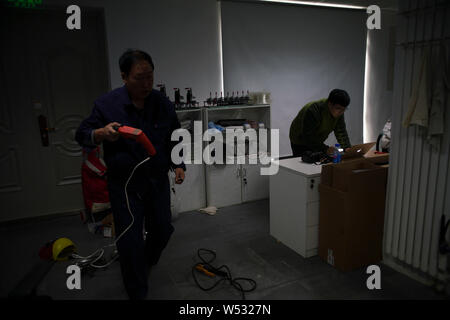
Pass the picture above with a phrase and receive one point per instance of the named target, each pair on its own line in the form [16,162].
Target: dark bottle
[236,99]
[178,98]
[162,89]
[247,98]
[226,101]
[220,100]
[209,101]
[188,97]
[242,98]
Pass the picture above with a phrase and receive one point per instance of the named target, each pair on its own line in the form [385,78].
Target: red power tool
[138,135]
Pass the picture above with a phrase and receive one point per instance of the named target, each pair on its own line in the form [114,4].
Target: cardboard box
[377,158]
[368,152]
[357,151]
[351,218]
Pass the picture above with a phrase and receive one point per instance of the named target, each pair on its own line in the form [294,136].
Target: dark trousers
[298,150]
[150,205]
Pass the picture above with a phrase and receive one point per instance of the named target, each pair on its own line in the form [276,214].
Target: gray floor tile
[240,237]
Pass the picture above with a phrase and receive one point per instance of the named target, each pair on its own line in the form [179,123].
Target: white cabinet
[294,205]
[239,182]
[222,185]
[235,183]
[190,195]
[254,185]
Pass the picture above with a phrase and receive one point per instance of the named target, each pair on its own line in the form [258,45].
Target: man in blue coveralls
[138,105]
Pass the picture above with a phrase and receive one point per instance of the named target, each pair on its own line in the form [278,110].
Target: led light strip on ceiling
[320,4]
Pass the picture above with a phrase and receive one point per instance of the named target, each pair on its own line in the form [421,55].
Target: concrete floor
[240,237]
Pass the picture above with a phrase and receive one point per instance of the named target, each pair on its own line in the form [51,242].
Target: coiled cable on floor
[223,272]
[98,254]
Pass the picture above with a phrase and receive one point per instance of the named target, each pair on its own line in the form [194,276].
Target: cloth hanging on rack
[440,85]
[419,102]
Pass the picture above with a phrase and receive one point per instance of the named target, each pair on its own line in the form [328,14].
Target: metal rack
[410,233]
[425,8]
[414,14]
[423,42]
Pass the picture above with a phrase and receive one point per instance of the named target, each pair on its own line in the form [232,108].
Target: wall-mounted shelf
[223,185]
[188,110]
[240,107]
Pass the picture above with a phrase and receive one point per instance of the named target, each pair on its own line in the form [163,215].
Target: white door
[254,185]
[223,185]
[49,77]
[190,195]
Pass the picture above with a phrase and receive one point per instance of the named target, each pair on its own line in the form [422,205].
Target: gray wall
[181,36]
[299,54]
[379,76]
[183,39]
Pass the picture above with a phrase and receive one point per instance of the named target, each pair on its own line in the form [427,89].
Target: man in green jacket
[316,120]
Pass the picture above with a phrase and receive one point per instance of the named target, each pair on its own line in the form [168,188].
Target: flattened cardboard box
[368,152]
[377,158]
[351,218]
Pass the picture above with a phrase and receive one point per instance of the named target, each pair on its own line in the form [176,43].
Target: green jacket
[314,123]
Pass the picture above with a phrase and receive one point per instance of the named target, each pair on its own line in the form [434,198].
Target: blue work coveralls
[148,191]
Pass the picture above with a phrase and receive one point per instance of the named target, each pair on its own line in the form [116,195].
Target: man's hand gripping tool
[138,135]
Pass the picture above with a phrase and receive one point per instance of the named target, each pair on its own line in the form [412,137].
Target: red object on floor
[46,252]
[93,179]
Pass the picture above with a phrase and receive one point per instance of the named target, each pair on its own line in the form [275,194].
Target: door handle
[44,130]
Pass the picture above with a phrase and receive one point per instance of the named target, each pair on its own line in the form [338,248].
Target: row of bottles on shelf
[190,102]
[228,100]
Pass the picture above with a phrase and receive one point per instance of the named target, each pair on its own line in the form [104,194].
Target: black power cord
[223,272]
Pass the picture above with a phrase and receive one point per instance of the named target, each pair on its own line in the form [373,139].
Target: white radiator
[418,191]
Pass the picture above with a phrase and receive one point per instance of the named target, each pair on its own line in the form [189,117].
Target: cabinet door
[313,189]
[190,195]
[312,213]
[223,184]
[254,185]
[288,209]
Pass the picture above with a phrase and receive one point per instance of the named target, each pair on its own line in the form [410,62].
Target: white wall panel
[299,54]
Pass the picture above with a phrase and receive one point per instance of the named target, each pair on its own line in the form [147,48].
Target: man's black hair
[129,57]
[338,96]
